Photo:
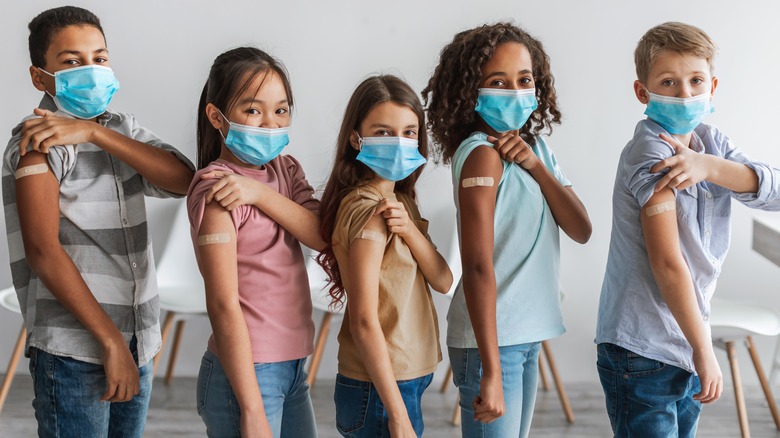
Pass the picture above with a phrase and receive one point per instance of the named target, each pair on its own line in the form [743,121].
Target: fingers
[710,391]
[484,412]
[42,112]
[672,141]
[216,191]
[215,174]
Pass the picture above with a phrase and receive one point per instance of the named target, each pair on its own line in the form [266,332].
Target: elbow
[582,235]
[361,327]
[318,245]
[39,256]
[444,283]
[478,272]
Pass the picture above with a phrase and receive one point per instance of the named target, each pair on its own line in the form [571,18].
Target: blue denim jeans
[285,395]
[67,398]
[360,412]
[519,377]
[646,397]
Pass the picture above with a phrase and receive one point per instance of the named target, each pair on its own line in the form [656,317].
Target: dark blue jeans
[645,397]
[67,398]
[360,413]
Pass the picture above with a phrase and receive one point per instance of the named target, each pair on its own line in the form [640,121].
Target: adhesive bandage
[660,208]
[376,236]
[35,169]
[210,239]
[478,181]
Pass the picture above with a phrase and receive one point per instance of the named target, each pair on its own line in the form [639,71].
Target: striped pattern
[103,229]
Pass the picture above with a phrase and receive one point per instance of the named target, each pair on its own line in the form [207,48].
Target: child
[248,250]
[670,234]
[380,257]
[80,254]
[490,97]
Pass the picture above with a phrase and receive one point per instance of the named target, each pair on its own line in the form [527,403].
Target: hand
[122,381]
[686,167]
[513,148]
[401,428]
[233,190]
[709,374]
[49,130]
[489,404]
[396,217]
[254,427]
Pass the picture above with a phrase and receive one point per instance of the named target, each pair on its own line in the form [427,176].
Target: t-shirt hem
[458,342]
[642,352]
[363,376]
[88,359]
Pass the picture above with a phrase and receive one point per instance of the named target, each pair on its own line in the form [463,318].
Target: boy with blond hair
[74,178]
[670,234]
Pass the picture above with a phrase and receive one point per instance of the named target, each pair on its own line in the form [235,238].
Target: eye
[101,60]
[697,81]
[667,83]
[282,111]
[381,132]
[253,111]
[497,83]
[526,80]
[410,133]
[71,62]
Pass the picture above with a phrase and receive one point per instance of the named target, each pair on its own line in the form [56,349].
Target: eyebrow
[382,125]
[500,73]
[76,52]
[669,72]
[253,100]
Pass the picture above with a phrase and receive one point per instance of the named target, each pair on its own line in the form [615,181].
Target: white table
[766,241]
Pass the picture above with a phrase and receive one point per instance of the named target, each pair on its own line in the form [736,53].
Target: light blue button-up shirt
[632,312]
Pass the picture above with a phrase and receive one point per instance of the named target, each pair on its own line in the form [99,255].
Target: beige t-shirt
[406,312]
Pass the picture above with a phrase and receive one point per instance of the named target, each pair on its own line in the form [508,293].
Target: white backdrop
[161,52]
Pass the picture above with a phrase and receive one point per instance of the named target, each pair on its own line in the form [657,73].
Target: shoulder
[199,186]
[290,165]
[646,145]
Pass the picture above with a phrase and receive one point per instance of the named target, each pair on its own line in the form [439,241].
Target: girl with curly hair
[489,99]
[379,255]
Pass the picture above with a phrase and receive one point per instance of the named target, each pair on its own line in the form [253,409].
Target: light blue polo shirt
[526,255]
[632,313]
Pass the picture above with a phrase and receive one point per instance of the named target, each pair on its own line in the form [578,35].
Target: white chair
[320,300]
[180,285]
[733,320]
[9,301]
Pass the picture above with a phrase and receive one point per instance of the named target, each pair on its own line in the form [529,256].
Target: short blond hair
[677,37]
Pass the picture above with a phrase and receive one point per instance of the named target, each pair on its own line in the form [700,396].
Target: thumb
[42,112]
[492,139]
[384,205]
[673,142]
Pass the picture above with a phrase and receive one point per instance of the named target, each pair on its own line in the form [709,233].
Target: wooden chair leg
[174,352]
[543,374]
[319,349]
[456,412]
[764,383]
[558,383]
[447,378]
[11,370]
[165,329]
[740,397]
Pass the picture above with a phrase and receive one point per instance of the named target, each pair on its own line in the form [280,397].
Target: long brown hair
[451,94]
[349,173]
[230,75]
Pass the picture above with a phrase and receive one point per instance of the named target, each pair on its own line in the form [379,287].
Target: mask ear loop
[229,124]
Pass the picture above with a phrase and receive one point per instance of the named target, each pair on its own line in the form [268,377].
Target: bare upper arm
[38,205]
[218,261]
[478,204]
[365,262]
[659,227]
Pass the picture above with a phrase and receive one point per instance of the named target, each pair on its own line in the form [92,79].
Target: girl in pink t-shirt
[249,208]
[379,256]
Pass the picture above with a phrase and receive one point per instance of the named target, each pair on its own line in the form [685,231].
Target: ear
[641,92]
[354,140]
[216,119]
[714,86]
[37,78]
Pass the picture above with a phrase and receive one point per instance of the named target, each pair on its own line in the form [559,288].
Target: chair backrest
[9,301]
[318,282]
[178,266]
[453,260]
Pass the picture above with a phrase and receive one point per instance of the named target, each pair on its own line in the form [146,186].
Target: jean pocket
[351,397]
[33,360]
[640,365]
[459,362]
[203,383]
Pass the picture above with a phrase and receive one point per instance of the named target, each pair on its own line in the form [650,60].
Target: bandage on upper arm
[34,169]
[660,208]
[478,181]
[376,236]
[211,239]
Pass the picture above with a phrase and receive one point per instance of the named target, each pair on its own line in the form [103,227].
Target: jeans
[519,377]
[285,399]
[67,398]
[645,397]
[360,412]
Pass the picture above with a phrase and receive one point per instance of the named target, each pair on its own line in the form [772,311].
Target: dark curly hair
[451,94]
[349,173]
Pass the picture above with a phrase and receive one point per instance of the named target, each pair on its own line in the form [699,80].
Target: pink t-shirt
[273,287]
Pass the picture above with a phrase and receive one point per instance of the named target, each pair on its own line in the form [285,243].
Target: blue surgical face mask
[84,92]
[253,145]
[392,158]
[506,110]
[678,115]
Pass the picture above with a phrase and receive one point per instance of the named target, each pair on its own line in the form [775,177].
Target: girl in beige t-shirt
[380,257]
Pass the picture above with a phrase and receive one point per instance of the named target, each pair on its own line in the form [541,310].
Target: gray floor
[172,413]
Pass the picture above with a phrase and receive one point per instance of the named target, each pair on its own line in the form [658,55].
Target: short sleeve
[62,159]
[196,200]
[355,211]
[145,135]
[301,192]
[644,153]
[547,157]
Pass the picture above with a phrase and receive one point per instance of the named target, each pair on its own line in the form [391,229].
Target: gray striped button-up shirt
[103,229]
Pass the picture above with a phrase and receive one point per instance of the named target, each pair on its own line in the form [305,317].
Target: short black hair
[47,23]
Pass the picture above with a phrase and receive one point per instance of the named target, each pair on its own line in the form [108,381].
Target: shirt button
[118,178]
[135,265]
[124,221]
[709,195]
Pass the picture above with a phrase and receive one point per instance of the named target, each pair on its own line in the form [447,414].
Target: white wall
[161,52]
